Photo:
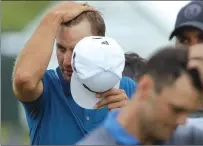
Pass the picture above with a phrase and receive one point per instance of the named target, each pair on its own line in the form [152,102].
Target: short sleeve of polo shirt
[34,108]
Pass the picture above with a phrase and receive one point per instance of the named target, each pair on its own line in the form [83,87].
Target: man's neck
[125,118]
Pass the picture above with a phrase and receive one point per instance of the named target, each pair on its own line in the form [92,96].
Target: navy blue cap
[190,15]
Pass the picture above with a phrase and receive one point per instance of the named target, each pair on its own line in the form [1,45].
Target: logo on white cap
[97,63]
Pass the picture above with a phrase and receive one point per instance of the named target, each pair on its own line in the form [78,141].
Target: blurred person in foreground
[196,60]
[162,101]
[134,65]
[189,29]
[53,116]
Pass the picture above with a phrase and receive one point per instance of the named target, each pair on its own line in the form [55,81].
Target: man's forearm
[35,56]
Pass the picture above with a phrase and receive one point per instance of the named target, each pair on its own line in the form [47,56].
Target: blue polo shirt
[121,136]
[55,119]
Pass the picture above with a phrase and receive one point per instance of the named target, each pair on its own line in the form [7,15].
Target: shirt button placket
[87,121]
[87,118]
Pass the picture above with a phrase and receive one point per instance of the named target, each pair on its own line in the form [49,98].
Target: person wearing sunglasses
[196,61]
[166,94]
[188,31]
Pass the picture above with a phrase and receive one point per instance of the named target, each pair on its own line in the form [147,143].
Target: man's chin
[165,137]
[67,78]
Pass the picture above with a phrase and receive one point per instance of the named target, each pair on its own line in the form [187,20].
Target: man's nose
[67,58]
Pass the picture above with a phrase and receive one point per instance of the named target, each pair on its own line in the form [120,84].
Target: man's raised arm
[34,58]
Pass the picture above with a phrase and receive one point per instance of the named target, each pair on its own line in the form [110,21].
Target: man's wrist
[53,19]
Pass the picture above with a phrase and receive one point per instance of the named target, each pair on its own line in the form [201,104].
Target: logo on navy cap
[193,10]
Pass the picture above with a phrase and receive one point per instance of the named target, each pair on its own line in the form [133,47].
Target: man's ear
[146,86]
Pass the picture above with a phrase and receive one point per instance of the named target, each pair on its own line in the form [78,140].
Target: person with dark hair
[166,93]
[196,58]
[196,61]
[134,65]
[188,30]
[53,116]
[189,24]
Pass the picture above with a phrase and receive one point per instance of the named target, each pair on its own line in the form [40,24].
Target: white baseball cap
[97,64]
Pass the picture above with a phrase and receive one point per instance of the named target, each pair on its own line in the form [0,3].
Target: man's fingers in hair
[85,4]
[87,7]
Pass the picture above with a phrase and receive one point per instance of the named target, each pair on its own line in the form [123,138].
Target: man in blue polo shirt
[52,115]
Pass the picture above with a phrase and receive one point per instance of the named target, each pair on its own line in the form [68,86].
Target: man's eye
[182,40]
[61,49]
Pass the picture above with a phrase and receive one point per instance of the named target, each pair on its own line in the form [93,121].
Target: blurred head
[196,60]
[165,95]
[189,24]
[134,65]
[70,33]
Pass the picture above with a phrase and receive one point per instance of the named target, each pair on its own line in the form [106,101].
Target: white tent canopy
[139,26]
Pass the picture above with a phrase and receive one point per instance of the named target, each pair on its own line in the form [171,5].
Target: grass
[17,14]
[6,134]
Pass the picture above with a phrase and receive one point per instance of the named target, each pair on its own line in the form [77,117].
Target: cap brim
[82,96]
[187,24]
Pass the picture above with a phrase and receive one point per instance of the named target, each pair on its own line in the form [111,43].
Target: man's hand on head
[113,99]
[68,10]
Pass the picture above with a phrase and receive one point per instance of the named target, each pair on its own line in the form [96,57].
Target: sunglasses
[195,74]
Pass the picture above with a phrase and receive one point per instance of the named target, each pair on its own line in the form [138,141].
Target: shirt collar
[115,129]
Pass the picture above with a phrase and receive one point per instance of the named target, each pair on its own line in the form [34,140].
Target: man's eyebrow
[59,45]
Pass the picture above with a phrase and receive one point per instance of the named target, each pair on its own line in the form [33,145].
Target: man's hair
[134,65]
[168,64]
[95,19]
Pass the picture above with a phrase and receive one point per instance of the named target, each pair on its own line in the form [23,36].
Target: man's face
[163,112]
[189,36]
[196,60]
[66,40]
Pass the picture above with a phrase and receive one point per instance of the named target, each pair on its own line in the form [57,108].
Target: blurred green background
[16,15]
